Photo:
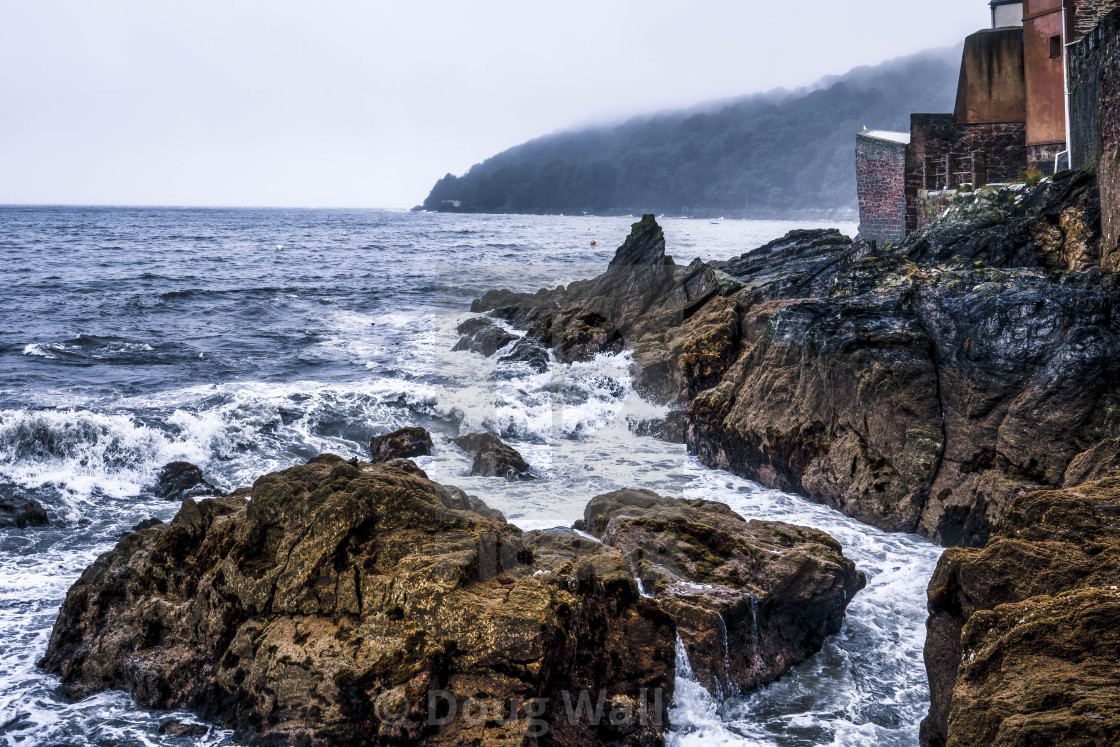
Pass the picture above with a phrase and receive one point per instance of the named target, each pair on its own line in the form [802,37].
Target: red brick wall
[881,186]
[1095,87]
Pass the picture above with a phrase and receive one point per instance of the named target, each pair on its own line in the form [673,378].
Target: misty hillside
[767,155]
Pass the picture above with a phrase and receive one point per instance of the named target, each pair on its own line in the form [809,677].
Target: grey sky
[366,104]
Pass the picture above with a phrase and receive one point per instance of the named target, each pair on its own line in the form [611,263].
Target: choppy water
[251,340]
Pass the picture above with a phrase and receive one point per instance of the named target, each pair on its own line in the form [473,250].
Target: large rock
[493,457]
[178,481]
[751,598]
[404,443]
[20,512]
[916,388]
[483,336]
[1023,637]
[351,604]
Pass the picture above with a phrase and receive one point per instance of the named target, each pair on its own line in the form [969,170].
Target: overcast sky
[366,104]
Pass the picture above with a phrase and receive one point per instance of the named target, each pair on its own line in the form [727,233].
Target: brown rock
[329,607]
[493,458]
[751,599]
[1023,638]
[403,443]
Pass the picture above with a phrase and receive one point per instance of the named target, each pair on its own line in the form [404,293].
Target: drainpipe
[1069,95]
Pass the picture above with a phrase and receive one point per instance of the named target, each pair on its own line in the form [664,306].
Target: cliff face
[1023,638]
[917,388]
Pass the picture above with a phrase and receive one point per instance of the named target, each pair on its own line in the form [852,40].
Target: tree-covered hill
[775,154]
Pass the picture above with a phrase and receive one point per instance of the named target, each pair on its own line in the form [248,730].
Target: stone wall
[1087,14]
[881,184]
[1041,157]
[1094,64]
[943,155]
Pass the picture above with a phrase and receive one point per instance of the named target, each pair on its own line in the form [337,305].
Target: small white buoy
[279,247]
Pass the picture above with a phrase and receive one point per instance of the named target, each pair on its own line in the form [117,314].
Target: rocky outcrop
[1055,226]
[916,388]
[751,598]
[493,457]
[363,604]
[481,335]
[1023,638]
[670,428]
[404,443]
[178,481]
[20,512]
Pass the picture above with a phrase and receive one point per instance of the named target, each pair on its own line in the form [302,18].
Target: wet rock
[1055,226]
[178,481]
[916,388]
[1100,461]
[403,443]
[458,499]
[20,512]
[1023,637]
[328,607]
[176,728]
[482,336]
[751,599]
[529,353]
[670,428]
[147,524]
[493,458]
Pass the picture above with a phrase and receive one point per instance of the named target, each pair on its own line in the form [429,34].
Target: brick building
[881,165]
[1010,115]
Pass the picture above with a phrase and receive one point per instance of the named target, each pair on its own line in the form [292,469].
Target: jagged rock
[403,443]
[147,524]
[493,458]
[178,481]
[671,428]
[482,336]
[1055,226]
[529,353]
[593,316]
[916,388]
[751,599]
[20,512]
[327,608]
[1023,637]
[1100,461]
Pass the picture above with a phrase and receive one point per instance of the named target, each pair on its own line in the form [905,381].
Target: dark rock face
[1023,638]
[1055,226]
[916,388]
[178,481]
[403,443]
[751,599]
[671,428]
[19,512]
[493,458]
[529,353]
[327,608]
[482,336]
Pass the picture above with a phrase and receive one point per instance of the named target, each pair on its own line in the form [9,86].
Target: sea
[250,340]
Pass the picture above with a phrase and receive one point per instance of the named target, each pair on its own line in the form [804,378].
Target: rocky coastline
[356,603]
[964,385]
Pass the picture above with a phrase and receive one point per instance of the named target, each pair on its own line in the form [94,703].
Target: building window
[1055,46]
